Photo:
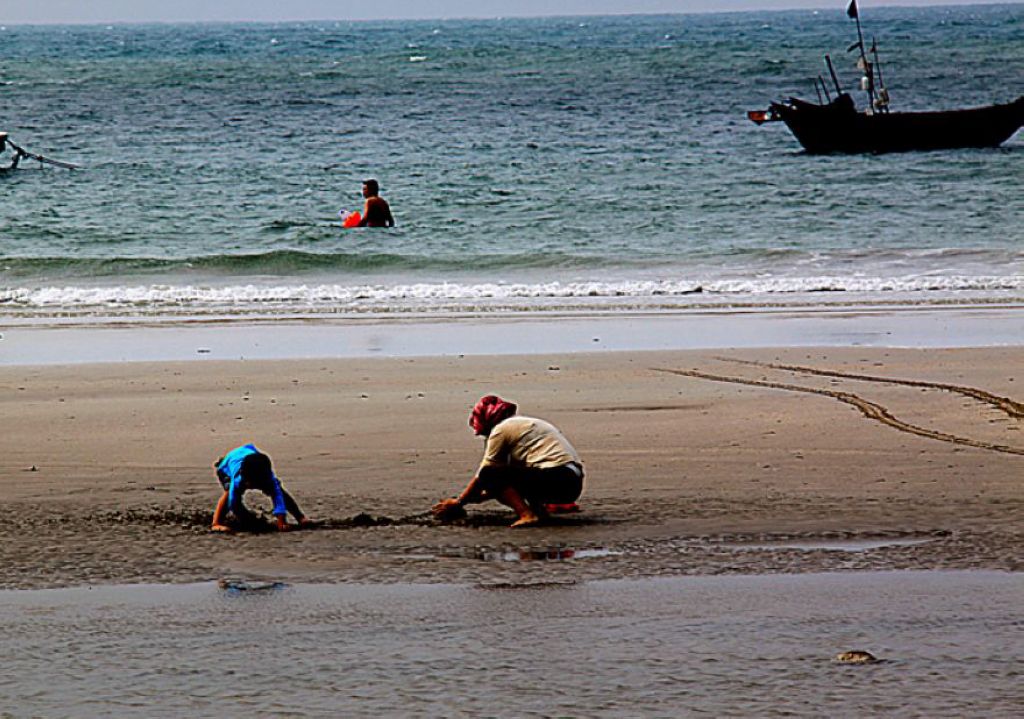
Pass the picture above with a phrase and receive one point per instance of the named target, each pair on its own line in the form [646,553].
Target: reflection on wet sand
[553,554]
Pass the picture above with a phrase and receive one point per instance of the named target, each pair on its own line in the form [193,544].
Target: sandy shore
[106,477]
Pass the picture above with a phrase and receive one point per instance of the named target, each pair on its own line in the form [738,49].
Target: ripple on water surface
[746,645]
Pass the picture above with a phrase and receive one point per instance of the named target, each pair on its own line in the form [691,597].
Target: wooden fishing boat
[836,126]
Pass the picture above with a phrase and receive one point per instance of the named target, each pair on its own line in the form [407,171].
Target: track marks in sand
[871,410]
[649,408]
[1010,407]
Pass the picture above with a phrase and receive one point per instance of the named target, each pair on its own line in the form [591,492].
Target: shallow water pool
[723,646]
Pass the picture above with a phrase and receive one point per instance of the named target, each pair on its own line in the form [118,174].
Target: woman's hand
[450,508]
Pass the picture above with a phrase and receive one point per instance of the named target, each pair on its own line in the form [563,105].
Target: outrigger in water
[835,125]
[21,153]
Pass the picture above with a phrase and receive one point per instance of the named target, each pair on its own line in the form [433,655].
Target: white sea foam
[253,297]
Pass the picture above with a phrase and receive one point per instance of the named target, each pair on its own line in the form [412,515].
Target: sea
[567,164]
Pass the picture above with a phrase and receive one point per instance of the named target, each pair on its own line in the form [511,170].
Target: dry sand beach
[699,462]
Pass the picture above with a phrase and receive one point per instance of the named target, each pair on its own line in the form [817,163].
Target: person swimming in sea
[240,470]
[376,212]
[528,465]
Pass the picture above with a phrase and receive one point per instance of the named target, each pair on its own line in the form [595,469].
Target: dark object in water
[856,656]
[19,153]
[836,126]
[240,586]
[505,586]
[552,554]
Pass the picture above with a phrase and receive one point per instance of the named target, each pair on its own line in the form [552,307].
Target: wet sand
[46,341]
[699,462]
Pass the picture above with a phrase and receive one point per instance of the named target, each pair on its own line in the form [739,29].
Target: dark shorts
[557,485]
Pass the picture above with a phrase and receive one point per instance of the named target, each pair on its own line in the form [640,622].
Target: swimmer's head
[370,188]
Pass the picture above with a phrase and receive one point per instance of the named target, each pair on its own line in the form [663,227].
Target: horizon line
[488,17]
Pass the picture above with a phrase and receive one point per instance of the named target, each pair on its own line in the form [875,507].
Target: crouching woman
[528,465]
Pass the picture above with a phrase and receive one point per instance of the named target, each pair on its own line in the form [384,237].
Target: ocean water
[741,646]
[577,164]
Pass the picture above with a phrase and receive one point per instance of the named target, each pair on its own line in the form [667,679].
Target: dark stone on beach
[856,656]
[367,520]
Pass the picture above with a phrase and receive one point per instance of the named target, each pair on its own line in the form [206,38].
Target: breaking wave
[454,296]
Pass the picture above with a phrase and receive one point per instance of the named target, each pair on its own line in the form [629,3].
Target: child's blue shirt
[229,470]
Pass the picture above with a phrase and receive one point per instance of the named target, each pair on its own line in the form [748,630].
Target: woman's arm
[472,493]
[452,506]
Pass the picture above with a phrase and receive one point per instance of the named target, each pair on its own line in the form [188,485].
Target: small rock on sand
[856,656]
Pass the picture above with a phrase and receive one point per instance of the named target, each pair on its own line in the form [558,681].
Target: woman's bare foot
[527,520]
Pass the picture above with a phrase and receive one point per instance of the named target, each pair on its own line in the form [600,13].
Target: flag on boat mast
[851,9]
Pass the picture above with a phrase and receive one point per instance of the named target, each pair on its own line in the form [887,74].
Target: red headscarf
[488,412]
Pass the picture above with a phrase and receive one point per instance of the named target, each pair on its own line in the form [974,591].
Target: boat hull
[838,128]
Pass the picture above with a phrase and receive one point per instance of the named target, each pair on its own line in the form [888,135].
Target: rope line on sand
[869,409]
[1009,406]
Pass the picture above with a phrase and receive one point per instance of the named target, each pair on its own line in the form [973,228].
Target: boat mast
[883,94]
[864,64]
[832,72]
